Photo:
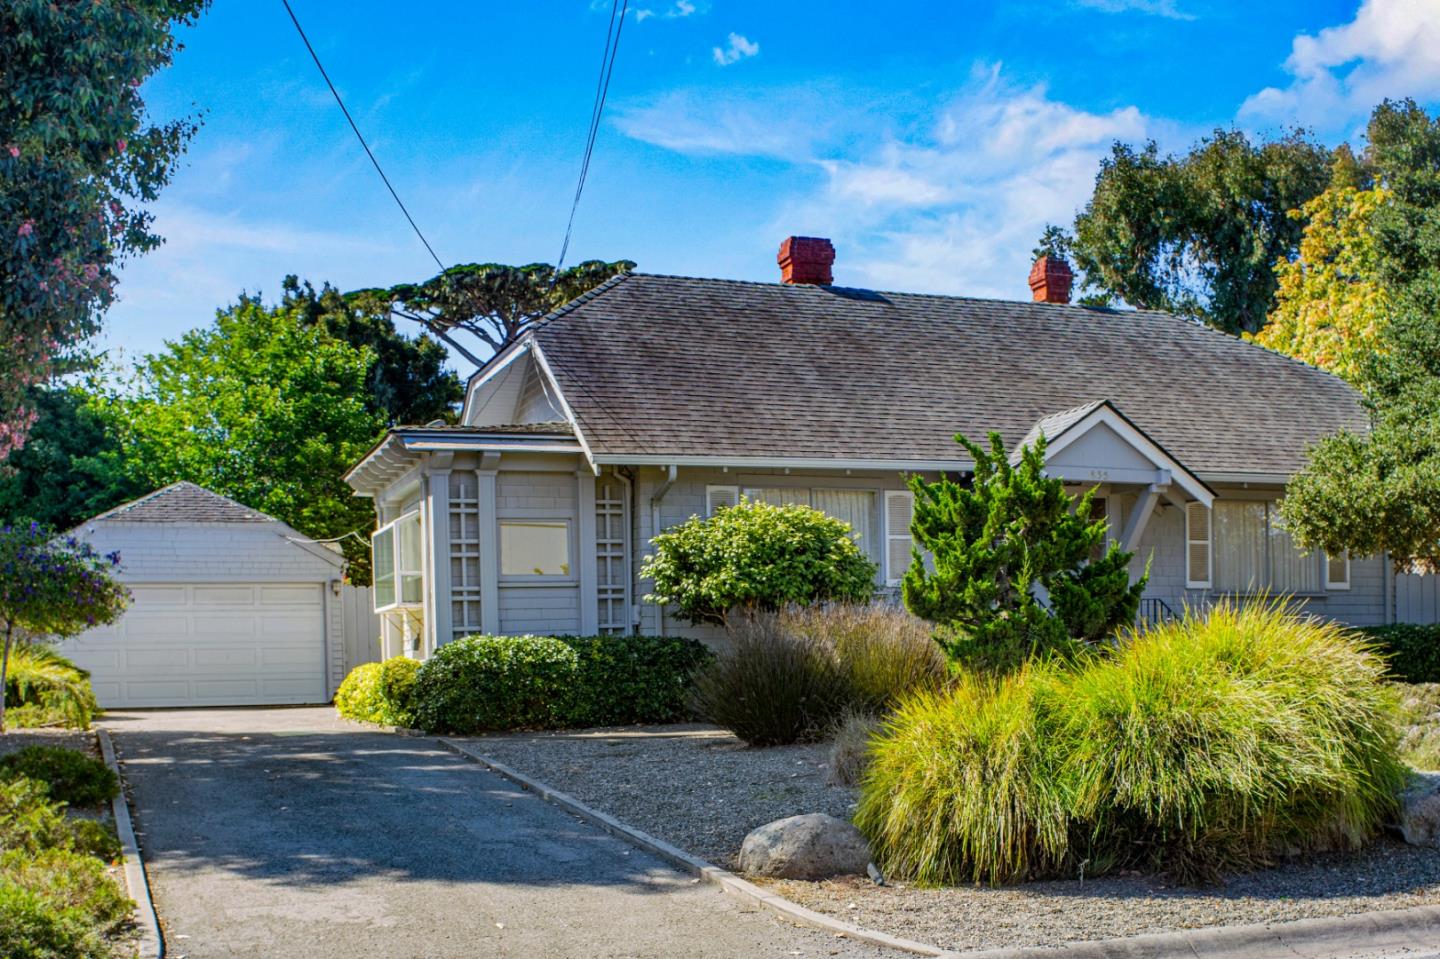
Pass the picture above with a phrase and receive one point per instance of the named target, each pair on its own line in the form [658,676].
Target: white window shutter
[899,510]
[1197,546]
[1337,571]
[720,497]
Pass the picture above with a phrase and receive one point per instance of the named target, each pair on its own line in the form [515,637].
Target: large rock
[813,846]
[1420,810]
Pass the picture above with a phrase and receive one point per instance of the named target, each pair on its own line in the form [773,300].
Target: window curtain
[1239,547]
[1290,572]
[780,495]
[851,506]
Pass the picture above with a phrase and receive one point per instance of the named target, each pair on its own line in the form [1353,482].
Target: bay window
[395,557]
[535,548]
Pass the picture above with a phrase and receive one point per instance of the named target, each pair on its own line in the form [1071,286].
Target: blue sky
[930,141]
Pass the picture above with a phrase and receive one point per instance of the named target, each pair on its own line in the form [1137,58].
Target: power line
[618,9]
[368,152]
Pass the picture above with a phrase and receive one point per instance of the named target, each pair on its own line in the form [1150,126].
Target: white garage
[229,607]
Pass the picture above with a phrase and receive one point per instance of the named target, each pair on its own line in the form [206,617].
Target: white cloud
[676,11]
[951,204]
[1339,74]
[1160,8]
[738,49]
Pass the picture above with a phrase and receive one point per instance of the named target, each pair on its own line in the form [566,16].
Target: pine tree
[1011,572]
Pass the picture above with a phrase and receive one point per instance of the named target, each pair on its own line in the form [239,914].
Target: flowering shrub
[52,586]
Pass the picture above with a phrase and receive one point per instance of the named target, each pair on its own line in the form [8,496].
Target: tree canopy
[1381,491]
[262,407]
[1196,234]
[78,161]
[491,302]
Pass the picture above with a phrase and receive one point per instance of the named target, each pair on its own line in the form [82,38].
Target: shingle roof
[184,503]
[560,428]
[1056,423]
[664,365]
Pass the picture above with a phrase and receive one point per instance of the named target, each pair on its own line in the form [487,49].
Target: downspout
[670,473]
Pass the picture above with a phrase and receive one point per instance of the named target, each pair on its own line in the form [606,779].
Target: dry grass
[1420,716]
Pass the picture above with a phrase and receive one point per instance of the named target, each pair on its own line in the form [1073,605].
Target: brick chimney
[806,259]
[1050,280]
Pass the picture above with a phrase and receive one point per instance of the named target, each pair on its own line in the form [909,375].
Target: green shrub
[992,541]
[29,821]
[30,928]
[94,838]
[70,882]
[70,776]
[633,679]
[483,683]
[754,557]
[380,693]
[1199,747]
[48,689]
[772,685]
[1411,650]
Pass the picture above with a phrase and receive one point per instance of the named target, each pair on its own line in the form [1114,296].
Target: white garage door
[204,645]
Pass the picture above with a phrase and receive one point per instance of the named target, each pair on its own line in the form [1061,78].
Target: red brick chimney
[1050,280]
[806,259]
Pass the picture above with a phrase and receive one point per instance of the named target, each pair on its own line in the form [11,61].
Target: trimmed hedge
[486,683]
[1411,650]
[380,693]
[1212,744]
[70,776]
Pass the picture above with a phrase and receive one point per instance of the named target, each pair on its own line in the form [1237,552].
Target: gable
[514,390]
[1100,449]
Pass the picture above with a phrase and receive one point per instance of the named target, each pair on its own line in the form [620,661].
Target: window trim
[1337,585]
[397,572]
[533,579]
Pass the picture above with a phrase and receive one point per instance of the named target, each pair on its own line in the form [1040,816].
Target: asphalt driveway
[286,832]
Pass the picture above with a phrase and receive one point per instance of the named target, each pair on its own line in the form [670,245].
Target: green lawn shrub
[382,693]
[484,683]
[46,689]
[1411,650]
[623,680]
[30,928]
[755,557]
[791,676]
[1206,745]
[70,776]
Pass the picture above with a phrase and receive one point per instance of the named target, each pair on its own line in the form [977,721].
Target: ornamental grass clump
[1212,744]
[884,651]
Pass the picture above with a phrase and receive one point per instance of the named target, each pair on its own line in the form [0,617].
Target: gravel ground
[701,789]
[14,740]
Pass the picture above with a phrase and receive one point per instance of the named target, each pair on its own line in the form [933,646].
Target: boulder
[1420,810]
[813,846]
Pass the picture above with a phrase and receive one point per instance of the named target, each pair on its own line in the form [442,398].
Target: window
[396,555]
[899,509]
[1253,552]
[853,506]
[719,497]
[1337,571]
[531,548]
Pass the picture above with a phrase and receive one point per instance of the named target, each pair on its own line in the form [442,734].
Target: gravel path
[701,789]
[14,740]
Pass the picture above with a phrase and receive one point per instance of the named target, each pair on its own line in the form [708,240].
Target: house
[228,607]
[655,398]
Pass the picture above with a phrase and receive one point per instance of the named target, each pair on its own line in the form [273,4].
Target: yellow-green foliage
[1205,745]
[48,689]
[379,692]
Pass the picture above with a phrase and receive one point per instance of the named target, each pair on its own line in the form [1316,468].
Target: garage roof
[185,502]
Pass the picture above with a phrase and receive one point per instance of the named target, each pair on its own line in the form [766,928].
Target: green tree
[1197,234]
[997,541]
[261,407]
[1380,491]
[491,302]
[78,161]
[70,469]
[408,381]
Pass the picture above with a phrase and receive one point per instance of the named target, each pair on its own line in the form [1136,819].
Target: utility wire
[618,9]
[368,152]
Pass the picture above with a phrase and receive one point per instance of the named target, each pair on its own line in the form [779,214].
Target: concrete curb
[1323,938]
[152,943]
[726,880]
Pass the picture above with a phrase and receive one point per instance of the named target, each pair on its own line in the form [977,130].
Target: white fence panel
[1417,598]
[362,627]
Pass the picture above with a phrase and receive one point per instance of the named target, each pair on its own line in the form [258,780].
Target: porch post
[589,597]
[437,507]
[489,545]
